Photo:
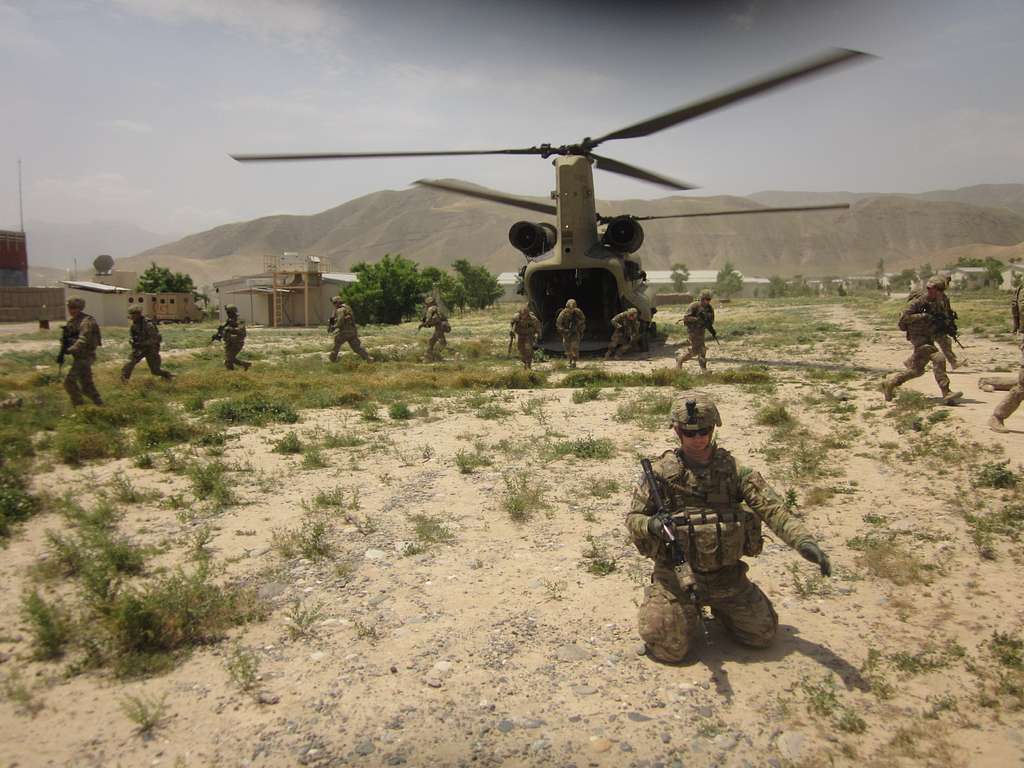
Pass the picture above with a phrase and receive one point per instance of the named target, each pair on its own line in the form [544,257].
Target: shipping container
[13,259]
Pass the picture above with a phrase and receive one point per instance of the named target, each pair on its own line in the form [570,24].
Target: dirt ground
[515,643]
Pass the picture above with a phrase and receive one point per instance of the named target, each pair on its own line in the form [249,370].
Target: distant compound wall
[25,305]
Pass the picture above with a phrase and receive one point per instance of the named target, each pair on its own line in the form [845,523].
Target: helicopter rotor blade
[494,197]
[831,58]
[363,155]
[617,166]
[788,209]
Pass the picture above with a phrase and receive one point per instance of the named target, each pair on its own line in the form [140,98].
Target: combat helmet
[336,300]
[632,311]
[231,309]
[134,310]
[76,303]
[705,294]
[570,304]
[429,301]
[936,281]
[693,410]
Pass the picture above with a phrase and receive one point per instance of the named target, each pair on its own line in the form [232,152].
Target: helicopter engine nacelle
[623,234]
[532,239]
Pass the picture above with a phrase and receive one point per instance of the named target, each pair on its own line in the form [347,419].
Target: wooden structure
[295,274]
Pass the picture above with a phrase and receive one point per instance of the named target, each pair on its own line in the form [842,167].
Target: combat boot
[996,424]
[951,398]
[887,390]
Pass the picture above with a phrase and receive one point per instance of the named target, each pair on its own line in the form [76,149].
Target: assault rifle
[331,323]
[511,340]
[944,324]
[672,543]
[219,335]
[67,338]
[708,325]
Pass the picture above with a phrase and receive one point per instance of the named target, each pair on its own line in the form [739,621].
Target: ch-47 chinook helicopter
[587,256]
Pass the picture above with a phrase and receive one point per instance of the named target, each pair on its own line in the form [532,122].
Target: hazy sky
[126,110]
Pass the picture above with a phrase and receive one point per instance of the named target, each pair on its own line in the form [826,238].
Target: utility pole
[21,204]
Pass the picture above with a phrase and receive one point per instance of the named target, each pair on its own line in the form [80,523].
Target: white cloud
[16,35]
[127,125]
[99,190]
[292,21]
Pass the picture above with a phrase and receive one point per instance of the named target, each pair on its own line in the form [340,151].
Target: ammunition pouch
[714,540]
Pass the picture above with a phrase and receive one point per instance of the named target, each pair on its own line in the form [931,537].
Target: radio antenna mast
[21,205]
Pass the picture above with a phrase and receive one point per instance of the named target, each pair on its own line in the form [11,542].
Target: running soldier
[434,318]
[145,340]
[526,328]
[699,319]
[343,325]
[942,339]
[625,332]
[233,332]
[1015,396]
[921,320]
[80,339]
[571,323]
[702,490]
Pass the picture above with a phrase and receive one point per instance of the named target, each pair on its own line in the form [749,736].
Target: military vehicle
[584,255]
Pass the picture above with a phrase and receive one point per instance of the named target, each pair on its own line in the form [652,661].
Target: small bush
[143,461]
[290,443]
[76,442]
[147,713]
[523,496]
[342,440]
[430,530]
[882,556]
[469,462]
[584,448]
[243,666]
[49,624]
[311,540]
[597,559]
[16,503]
[996,474]
[774,415]
[586,394]
[161,431]
[302,620]
[313,458]
[254,408]
[399,412]
[209,483]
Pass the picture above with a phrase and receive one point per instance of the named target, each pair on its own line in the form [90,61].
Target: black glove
[656,527]
[811,551]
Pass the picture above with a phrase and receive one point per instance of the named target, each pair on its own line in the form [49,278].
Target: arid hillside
[436,228]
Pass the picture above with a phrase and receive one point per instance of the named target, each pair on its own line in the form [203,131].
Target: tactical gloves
[656,527]
[811,551]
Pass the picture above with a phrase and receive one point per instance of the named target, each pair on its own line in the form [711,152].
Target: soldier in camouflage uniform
[234,339]
[703,489]
[434,318]
[571,324]
[919,321]
[526,328]
[699,317]
[943,341]
[145,340]
[1015,396]
[84,333]
[625,332]
[343,325]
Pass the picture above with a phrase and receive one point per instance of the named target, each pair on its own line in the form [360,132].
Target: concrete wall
[107,308]
[23,305]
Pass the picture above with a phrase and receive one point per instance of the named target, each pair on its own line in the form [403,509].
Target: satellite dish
[103,264]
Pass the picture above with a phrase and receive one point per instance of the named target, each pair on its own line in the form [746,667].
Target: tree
[777,287]
[481,286]
[902,281]
[161,280]
[729,282]
[389,291]
[925,271]
[993,268]
[451,289]
[680,277]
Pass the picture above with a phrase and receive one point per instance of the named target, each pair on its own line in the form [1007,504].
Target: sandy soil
[502,648]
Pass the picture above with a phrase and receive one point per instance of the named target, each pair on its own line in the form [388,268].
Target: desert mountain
[435,228]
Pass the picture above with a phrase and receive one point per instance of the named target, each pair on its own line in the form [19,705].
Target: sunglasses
[704,432]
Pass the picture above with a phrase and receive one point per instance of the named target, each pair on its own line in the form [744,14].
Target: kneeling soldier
[703,490]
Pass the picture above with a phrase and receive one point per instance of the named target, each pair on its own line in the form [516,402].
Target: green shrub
[16,503]
[49,624]
[524,495]
[290,443]
[774,415]
[399,411]
[588,447]
[254,408]
[996,474]
[75,442]
[586,394]
[312,540]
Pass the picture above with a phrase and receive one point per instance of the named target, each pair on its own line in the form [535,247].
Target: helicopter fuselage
[603,281]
